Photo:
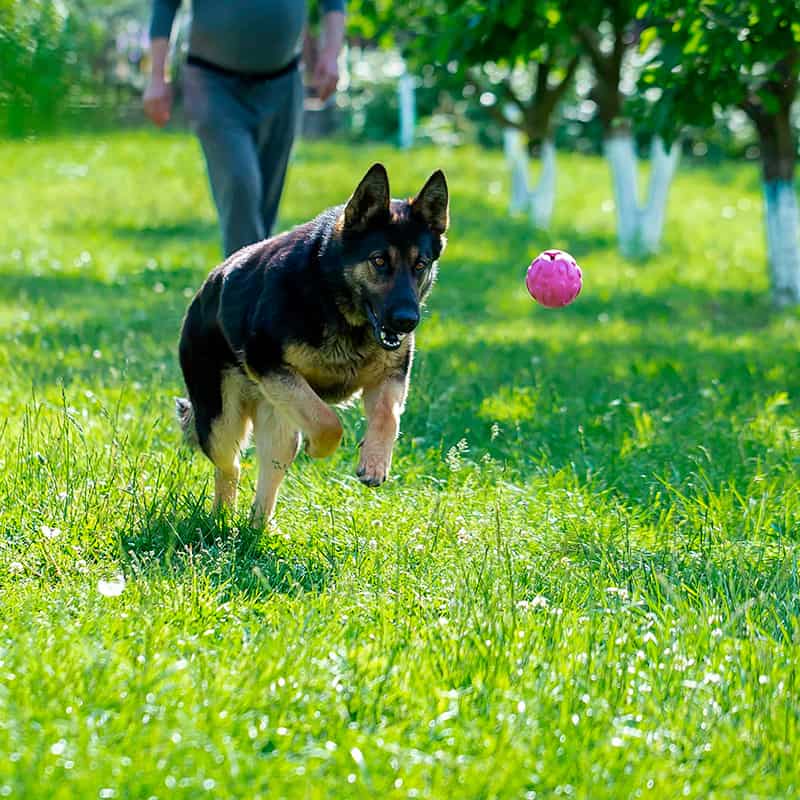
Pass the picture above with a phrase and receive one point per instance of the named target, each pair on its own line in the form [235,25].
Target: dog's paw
[373,468]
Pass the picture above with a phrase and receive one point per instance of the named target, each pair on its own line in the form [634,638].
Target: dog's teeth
[390,339]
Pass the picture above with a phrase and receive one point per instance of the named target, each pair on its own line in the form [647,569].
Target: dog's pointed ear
[432,203]
[370,199]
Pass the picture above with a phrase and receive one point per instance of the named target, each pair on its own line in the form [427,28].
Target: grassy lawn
[581,580]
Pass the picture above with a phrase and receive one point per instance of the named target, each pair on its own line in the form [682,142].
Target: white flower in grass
[540,601]
[358,757]
[16,567]
[112,588]
[50,533]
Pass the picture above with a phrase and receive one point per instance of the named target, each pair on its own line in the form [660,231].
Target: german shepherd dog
[308,318]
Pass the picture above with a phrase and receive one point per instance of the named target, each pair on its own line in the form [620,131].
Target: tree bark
[533,119]
[777,144]
[621,155]
[663,164]
[781,215]
[537,201]
[517,159]
[783,241]
[639,228]
[544,194]
[408,111]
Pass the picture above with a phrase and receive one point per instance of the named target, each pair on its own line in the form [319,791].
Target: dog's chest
[340,367]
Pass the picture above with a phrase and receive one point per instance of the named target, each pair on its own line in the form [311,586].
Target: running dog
[289,326]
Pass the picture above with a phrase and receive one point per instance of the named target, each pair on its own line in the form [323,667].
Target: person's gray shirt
[241,35]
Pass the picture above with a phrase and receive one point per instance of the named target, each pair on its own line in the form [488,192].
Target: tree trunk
[408,111]
[639,229]
[621,155]
[662,167]
[781,214]
[538,201]
[543,196]
[517,158]
[783,241]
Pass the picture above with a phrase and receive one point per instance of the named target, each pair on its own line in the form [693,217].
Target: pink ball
[554,279]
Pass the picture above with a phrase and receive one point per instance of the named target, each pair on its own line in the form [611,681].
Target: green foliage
[582,580]
[56,57]
[491,54]
[37,43]
[733,53]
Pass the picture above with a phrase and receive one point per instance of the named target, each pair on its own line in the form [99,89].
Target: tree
[58,57]
[608,33]
[517,58]
[743,54]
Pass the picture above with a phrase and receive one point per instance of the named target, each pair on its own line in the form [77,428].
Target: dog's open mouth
[386,337]
[389,340]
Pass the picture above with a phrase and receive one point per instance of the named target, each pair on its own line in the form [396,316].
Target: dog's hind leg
[277,443]
[227,436]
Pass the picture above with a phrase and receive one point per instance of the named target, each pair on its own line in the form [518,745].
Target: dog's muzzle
[387,338]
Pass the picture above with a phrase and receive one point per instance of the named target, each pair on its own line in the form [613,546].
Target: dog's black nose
[403,320]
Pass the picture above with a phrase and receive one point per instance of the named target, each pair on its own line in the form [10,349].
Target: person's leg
[276,136]
[225,130]
[233,172]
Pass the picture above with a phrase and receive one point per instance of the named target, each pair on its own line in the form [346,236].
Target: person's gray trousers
[246,129]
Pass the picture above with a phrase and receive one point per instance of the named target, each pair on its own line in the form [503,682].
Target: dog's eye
[420,265]
[377,261]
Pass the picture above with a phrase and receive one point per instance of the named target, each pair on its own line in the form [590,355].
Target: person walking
[243,96]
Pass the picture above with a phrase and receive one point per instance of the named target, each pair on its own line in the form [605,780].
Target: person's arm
[157,98]
[326,72]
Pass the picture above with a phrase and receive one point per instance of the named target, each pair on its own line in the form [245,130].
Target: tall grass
[581,581]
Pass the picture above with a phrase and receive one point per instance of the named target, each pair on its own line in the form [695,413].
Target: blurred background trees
[712,80]
[741,55]
[63,64]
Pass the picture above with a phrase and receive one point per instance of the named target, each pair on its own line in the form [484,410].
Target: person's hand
[157,101]
[326,74]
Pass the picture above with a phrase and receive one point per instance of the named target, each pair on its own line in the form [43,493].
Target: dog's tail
[185,413]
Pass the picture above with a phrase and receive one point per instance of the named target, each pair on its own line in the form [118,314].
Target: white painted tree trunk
[517,159]
[538,201]
[408,110]
[621,157]
[543,195]
[639,228]
[783,240]
[663,164]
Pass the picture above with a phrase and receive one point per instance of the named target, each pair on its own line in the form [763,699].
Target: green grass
[581,580]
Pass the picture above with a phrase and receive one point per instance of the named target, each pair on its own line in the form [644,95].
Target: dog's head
[390,249]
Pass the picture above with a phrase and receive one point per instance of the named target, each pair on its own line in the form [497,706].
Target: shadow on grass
[133,321]
[614,408]
[673,396]
[150,236]
[684,307]
[179,535]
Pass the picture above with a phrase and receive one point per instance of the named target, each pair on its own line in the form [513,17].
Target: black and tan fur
[288,326]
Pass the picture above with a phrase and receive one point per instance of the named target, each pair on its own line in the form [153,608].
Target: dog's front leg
[293,398]
[383,405]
